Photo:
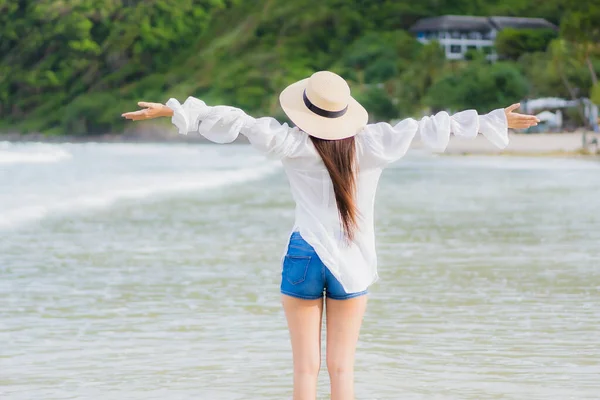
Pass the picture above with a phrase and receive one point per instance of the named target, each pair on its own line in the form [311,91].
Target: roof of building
[451,22]
[471,23]
[521,23]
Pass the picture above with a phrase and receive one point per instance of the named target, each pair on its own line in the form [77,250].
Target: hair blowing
[339,157]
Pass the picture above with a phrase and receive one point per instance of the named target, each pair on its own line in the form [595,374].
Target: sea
[151,271]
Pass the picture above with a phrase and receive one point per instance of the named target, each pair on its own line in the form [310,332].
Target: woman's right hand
[150,111]
[519,121]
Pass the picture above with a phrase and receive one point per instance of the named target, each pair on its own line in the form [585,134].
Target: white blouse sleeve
[388,143]
[223,124]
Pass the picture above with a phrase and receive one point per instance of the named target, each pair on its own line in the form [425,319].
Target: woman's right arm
[223,124]
[388,143]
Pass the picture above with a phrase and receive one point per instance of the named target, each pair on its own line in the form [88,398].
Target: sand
[539,144]
[525,144]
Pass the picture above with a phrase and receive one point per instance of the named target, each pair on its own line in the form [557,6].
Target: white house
[459,33]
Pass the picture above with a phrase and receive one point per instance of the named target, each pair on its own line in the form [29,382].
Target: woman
[333,161]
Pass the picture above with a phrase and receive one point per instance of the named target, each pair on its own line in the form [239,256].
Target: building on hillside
[459,34]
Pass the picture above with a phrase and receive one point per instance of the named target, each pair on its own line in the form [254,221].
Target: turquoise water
[152,271]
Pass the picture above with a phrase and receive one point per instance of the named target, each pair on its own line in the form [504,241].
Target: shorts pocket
[295,268]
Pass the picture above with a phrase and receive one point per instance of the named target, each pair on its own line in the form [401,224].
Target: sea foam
[166,185]
[15,153]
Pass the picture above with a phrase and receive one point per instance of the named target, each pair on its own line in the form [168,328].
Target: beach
[520,144]
[536,145]
[151,271]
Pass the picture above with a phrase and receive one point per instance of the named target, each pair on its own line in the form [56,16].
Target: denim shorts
[304,275]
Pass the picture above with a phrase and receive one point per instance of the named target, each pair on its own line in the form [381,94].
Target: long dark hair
[339,157]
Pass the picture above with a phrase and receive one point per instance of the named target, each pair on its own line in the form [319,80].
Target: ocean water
[132,271]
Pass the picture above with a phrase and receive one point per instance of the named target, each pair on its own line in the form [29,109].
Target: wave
[157,187]
[36,153]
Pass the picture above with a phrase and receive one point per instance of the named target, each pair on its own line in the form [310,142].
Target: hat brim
[349,124]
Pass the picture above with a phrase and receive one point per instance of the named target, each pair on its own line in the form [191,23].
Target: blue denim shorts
[304,275]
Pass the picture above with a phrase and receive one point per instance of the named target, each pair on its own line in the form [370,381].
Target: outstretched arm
[388,143]
[223,124]
[150,111]
[519,121]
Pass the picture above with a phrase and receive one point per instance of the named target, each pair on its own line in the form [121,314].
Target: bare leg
[304,322]
[344,318]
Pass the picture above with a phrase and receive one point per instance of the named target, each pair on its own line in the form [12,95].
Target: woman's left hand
[519,121]
[150,111]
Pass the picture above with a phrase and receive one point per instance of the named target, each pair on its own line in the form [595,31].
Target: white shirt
[353,264]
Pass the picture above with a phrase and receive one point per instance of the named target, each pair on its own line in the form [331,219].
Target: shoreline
[557,154]
[105,138]
[520,145]
[527,145]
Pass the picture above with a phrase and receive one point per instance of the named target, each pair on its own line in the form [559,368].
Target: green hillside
[74,66]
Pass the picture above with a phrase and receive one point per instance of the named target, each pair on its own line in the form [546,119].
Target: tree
[561,59]
[378,103]
[60,60]
[429,64]
[379,56]
[581,28]
[513,43]
[596,94]
[479,86]
[56,53]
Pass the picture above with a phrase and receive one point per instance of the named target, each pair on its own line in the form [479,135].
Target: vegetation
[513,43]
[74,66]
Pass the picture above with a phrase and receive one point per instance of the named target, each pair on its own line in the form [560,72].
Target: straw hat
[323,107]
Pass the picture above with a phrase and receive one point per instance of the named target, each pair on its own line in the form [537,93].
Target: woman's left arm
[150,111]
[223,124]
